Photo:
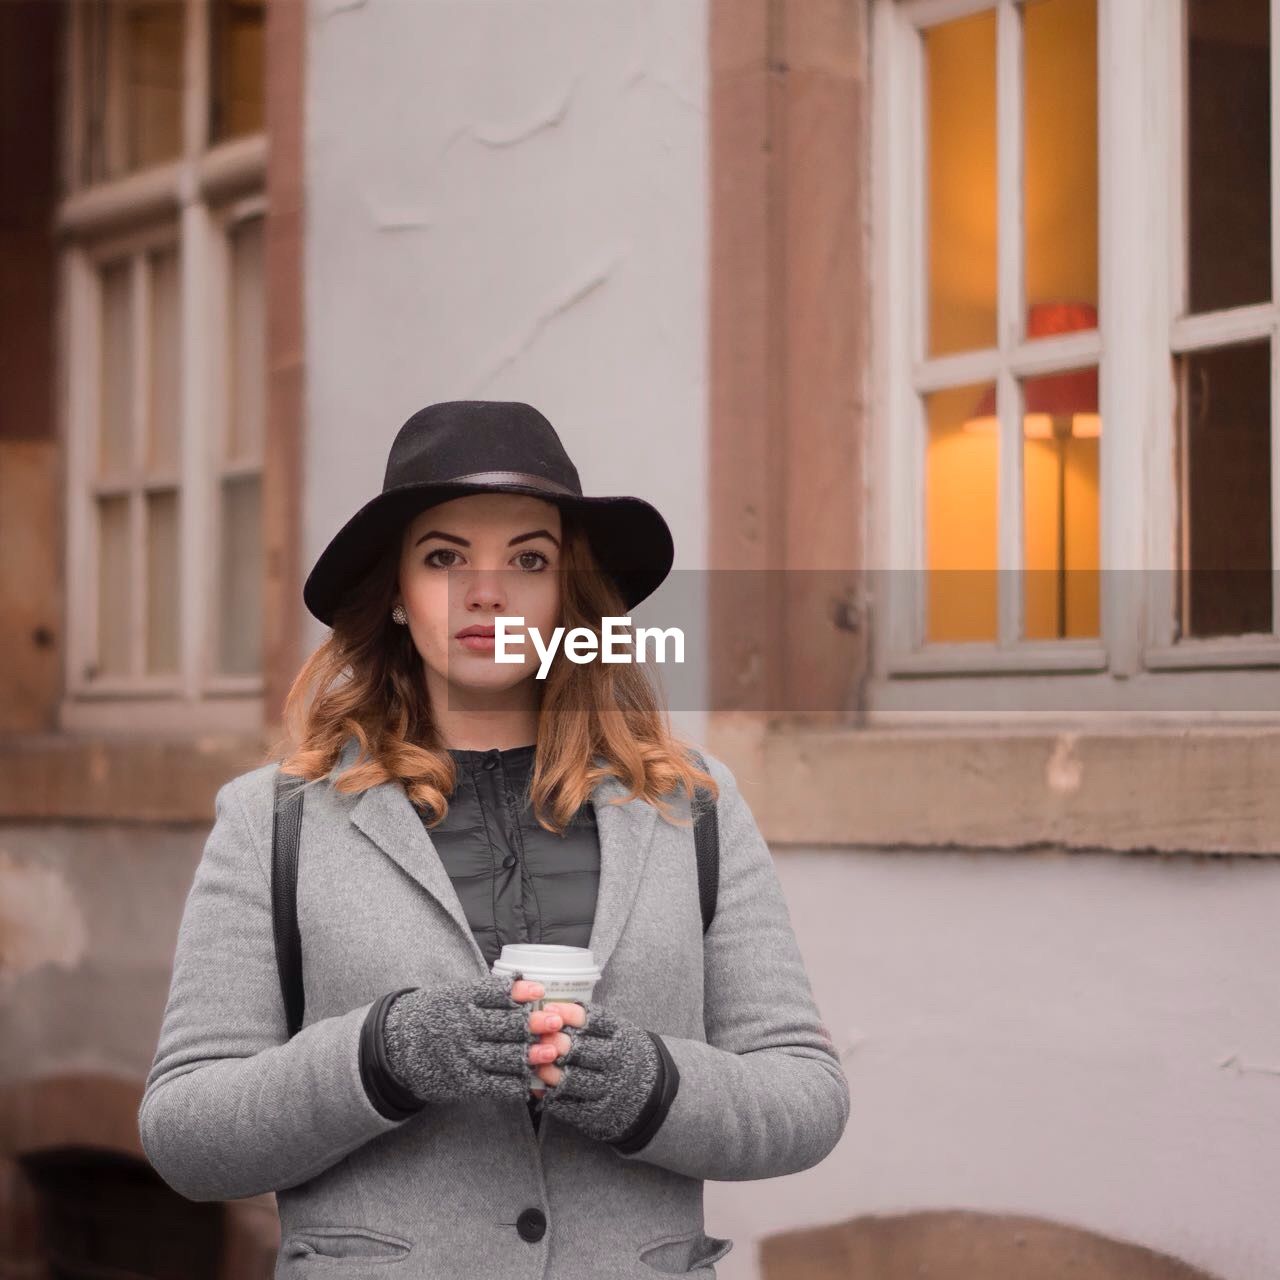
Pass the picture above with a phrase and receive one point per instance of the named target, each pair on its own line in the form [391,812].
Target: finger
[599,1023]
[588,1086]
[499,1025]
[543,1053]
[558,1040]
[548,1075]
[545,1019]
[589,1054]
[493,992]
[499,990]
[499,1059]
[574,1014]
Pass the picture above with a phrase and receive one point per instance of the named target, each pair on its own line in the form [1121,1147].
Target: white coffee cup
[566,973]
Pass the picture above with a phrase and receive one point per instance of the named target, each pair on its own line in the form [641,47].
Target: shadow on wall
[959,1245]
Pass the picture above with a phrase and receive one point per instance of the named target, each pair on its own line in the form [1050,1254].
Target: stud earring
[398,614]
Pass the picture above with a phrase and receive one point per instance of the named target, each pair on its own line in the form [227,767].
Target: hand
[467,1040]
[602,1081]
[553,1043]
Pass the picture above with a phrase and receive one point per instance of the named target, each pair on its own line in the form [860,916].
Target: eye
[537,564]
[439,551]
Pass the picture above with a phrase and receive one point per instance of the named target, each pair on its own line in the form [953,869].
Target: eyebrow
[464,542]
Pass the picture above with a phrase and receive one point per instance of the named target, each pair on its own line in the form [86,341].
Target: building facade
[945,333]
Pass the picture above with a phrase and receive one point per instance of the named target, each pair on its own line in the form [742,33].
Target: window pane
[961,477]
[116,442]
[166,331]
[132,94]
[240,611]
[960,185]
[153,81]
[1061,152]
[115,586]
[162,581]
[248,343]
[1228,153]
[238,68]
[1227,485]
[1061,433]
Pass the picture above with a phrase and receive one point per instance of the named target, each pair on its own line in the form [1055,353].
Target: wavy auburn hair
[366,680]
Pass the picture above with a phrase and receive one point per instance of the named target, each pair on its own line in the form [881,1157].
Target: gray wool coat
[469,1191]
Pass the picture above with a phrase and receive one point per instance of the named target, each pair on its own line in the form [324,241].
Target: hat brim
[629,537]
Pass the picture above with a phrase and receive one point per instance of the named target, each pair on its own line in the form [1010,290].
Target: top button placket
[504,833]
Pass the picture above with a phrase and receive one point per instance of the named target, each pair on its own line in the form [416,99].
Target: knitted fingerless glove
[467,1040]
[607,1076]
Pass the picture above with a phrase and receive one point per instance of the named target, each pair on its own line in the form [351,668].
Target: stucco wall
[508,201]
[88,921]
[1089,1038]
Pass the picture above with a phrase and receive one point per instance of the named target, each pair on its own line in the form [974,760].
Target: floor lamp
[1058,407]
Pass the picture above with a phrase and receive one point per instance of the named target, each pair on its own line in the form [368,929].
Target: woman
[396,1126]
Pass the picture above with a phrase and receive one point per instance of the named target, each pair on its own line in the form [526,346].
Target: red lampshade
[1058,394]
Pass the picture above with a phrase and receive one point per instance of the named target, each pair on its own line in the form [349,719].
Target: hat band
[526,478]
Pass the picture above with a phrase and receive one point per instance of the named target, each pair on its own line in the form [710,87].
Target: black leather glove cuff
[388,1096]
[655,1109]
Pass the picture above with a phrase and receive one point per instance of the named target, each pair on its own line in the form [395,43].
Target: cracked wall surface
[508,201]
[88,921]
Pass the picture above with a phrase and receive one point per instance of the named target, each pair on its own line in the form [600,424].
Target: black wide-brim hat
[458,447]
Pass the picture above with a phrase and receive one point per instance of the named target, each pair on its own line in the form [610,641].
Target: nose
[484,589]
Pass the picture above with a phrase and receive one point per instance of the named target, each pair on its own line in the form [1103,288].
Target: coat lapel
[386,815]
[626,834]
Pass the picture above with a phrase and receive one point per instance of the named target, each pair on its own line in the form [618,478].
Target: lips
[476,631]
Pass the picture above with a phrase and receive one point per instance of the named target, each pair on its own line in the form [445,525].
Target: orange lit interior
[1060,197]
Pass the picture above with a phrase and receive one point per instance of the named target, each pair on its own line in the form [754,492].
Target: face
[470,560]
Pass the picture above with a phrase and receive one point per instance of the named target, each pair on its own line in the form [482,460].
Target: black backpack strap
[286,828]
[706,839]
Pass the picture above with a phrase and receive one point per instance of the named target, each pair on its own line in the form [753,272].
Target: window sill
[1190,788]
[160,714]
[1038,657]
[114,778]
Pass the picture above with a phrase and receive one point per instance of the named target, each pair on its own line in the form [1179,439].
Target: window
[134,483]
[235,104]
[1225,321]
[1074,356]
[238,650]
[132,55]
[163,362]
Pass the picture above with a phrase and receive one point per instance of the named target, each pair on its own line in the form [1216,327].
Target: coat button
[509,860]
[532,1225]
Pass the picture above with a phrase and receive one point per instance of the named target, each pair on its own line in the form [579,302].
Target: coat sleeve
[231,1106]
[765,1095]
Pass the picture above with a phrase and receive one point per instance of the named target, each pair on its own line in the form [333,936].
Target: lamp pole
[1061,434]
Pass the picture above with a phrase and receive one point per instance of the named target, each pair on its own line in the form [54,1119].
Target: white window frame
[1135,667]
[227,220]
[192,200]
